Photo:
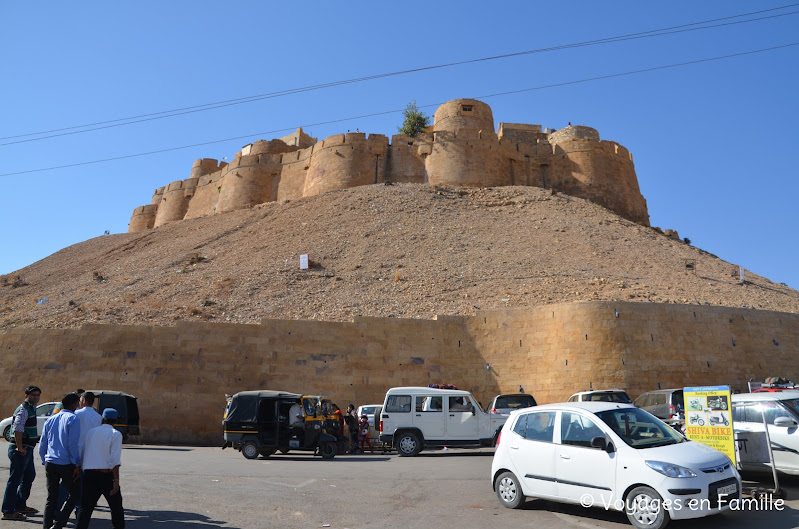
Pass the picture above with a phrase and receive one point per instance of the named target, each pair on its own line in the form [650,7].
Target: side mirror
[602,444]
[471,408]
[785,422]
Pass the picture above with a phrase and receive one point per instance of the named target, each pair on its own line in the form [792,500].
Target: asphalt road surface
[199,488]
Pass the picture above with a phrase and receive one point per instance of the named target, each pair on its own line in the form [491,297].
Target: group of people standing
[81,453]
[358,430]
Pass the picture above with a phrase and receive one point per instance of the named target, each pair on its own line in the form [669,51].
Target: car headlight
[671,470]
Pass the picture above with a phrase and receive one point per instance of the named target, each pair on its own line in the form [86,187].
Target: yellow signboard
[708,418]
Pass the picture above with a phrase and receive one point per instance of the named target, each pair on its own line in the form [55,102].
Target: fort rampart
[462,149]
[182,373]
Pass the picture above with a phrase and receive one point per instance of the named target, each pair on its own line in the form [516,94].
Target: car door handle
[564,456]
[514,447]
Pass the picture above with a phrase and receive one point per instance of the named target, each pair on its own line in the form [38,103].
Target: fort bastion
[462,149]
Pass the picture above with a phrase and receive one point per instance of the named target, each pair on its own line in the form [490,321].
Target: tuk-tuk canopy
[244,405]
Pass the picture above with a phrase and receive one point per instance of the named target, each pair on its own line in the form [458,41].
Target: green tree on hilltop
[415,120]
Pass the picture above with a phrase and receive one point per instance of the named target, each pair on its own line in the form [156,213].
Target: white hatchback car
[43,412]
[616,456]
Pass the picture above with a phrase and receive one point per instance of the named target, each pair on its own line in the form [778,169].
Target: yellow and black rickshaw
[261,422]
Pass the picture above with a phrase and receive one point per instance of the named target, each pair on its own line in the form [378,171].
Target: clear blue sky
[714,144]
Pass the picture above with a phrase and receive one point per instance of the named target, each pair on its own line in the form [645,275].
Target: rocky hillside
[405,250]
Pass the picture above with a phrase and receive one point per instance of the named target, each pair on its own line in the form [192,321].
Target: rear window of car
[368,410]
[678,399]
[398,404]
[610,396]
[515,402]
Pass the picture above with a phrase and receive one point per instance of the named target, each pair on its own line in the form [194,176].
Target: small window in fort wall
[526,158]
[467,108]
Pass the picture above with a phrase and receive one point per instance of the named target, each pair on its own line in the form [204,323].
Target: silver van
[665,404]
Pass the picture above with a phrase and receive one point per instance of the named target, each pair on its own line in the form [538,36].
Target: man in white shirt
[88,416]
[102,457]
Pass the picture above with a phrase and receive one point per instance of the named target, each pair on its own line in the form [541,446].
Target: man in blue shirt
[60,453]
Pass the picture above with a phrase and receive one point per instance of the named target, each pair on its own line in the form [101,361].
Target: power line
[363,116]
[120,122]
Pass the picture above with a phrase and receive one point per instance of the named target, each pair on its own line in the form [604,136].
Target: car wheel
[328,450]
[509,491]
[408,444]
[7,434]
[249,450]
[645,510]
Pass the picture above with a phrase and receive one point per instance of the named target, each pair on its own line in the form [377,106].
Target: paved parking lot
[194,488]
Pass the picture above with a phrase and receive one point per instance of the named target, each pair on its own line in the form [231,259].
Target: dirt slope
[405,250]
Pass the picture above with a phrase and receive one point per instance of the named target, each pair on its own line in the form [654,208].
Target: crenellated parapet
[460,149]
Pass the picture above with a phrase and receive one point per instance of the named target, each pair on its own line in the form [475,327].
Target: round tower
[143,218]
[463,114]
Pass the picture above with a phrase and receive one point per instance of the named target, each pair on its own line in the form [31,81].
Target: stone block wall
[181,373]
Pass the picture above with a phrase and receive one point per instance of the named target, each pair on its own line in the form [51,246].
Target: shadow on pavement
[160,448]
[347,458]
[172,519]
[453,453]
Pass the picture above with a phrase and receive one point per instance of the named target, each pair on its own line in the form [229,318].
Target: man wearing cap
[20,453]
[61,459]
[102,457]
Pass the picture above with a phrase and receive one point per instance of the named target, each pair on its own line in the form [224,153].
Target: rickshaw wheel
[249,450]
[266,452]
[284,450]
[328,450]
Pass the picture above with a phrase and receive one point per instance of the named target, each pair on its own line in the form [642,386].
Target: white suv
[416,417]
[602,454]
[781,411]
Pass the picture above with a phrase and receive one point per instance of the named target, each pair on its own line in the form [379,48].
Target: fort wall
[552,351]
[405,158]
[461,150]
[143,217]
[175,201]
[206,195]
[346,160]
[468,157]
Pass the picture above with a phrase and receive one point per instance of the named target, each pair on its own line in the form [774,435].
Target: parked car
[506,403]
[665,404]
[43,412]
[602,395]
[414,418]
[614,456]
[782,415]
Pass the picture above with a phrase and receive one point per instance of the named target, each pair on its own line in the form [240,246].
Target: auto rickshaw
[259,422]
[127,406]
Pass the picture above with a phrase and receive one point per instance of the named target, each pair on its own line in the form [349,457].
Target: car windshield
[609,396]
[368,410]
[639,429]
[792,404]
[514,402]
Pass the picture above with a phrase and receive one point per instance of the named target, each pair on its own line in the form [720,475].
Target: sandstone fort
[461,150]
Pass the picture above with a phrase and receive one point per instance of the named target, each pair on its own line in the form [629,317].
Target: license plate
[728,489]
